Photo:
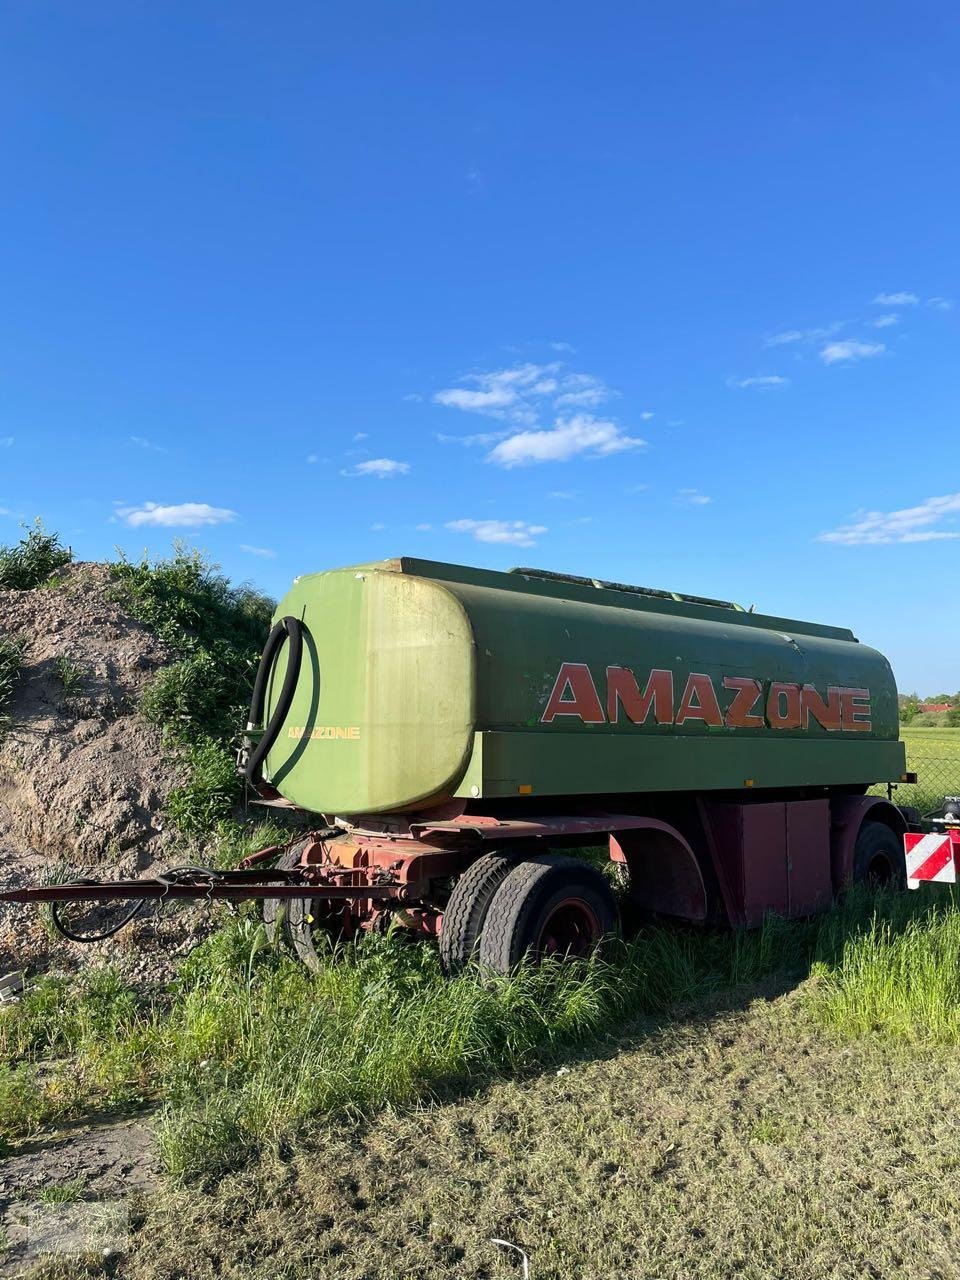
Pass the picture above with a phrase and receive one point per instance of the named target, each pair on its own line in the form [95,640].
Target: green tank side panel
[383,714]
[523,639]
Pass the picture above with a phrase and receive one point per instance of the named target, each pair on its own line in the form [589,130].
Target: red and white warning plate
[932,857]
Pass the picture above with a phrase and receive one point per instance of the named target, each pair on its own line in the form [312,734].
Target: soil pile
[83,777]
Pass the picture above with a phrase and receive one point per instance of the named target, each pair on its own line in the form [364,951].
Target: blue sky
[662,293]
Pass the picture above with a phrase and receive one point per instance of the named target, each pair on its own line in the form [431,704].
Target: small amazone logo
[349,732]
[784,706]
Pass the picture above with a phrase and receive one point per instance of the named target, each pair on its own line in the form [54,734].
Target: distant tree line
[942,710]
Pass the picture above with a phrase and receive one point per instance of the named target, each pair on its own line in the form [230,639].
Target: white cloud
[763,381]
[942,304]
[6,442]
[360,435]
[480,437]
[568,438]
[143,443]
[5,511]
[263,552]
[562,495]
[909,524]
[693,497]
[646,416]
[383,468]
[884,322]
[565,348]
[424,528]
[377,528]
[834,352]
[895,300]
[582,390]
[494,399]
[185,515]
[518,394]
[516,533]
[817,334]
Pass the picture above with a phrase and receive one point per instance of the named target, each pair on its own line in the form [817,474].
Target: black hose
[55,907]
[291,629]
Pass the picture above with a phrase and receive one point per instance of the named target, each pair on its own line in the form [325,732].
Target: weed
[70,674]
[35,557]
[210,791]
[12,649]
[61,1192]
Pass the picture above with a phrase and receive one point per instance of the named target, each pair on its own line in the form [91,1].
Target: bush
[210,792]
[217,631]
[194,696]
[33,559]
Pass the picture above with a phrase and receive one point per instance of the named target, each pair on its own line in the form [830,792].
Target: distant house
[931,708]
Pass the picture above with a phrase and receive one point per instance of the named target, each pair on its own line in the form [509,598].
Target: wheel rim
[572,928]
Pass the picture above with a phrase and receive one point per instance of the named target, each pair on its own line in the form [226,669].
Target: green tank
[421,682]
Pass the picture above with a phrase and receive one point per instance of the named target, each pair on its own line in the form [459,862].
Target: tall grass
[247,1048]
[11,659]
[901,982]
[35,557]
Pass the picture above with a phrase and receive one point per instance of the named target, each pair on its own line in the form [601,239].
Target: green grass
[11,660]
[216,631]
[247,1050]
[934,755]
[900,983]
[70,674]
[32,561]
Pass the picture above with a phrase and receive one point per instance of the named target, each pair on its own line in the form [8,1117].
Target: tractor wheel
[878,857]
[467,908]
[547,906]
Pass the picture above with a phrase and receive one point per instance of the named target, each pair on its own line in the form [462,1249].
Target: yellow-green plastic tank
[422,682]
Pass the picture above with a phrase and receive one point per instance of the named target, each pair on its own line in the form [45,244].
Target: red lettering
[706,707]
[825,713]
[583,702]
[783,706]
[622,688]
[740,713]
[855,710]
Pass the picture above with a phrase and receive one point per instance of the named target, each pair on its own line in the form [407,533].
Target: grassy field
[780,1104]
[773,1103]
[934,755]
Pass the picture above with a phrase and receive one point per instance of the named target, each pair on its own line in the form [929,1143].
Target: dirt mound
[83,776]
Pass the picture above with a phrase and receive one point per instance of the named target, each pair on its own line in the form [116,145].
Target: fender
[847,816]
[665,875]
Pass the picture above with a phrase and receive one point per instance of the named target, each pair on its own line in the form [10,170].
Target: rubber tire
[525,899]
[467,907]
[274,909]
[296,914]
[876,839]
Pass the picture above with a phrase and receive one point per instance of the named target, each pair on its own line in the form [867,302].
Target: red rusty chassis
[362,873]
[787,856]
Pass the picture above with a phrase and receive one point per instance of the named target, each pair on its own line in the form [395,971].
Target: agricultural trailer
[456,739]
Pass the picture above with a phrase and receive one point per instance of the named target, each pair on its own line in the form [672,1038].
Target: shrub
[217,631]
[210,792]
[35,557]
